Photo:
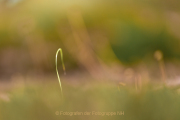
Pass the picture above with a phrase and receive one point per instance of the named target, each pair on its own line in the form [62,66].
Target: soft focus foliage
[31,31]
[39,102]
[120,55]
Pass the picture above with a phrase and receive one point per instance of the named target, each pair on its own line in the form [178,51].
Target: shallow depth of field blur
[120,55]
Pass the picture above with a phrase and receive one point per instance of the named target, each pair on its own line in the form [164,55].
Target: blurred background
[119,41]
[98,37]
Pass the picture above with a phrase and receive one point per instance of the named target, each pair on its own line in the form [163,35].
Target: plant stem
[60,50]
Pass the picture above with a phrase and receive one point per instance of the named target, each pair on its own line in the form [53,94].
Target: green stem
[60,50]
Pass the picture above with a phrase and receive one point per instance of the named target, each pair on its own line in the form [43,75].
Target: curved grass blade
[60,50]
